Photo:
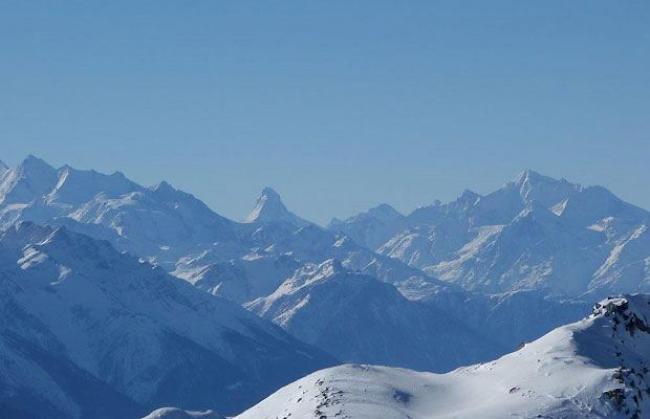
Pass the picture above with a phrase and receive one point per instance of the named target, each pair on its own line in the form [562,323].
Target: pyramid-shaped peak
[269,193]
[270,208]
[163,187]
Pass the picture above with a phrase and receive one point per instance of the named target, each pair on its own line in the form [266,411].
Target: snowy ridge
[175,230]
[597,367]
[535,232]
[358,318]
[105,318]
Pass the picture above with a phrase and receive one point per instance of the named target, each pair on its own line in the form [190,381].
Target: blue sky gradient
[339,105]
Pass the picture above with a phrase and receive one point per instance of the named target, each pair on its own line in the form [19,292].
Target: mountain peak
[531,185]
[270,208]
[384,212]
[33,163]
[163,187]
[530,176]
[270,193]
[29,181]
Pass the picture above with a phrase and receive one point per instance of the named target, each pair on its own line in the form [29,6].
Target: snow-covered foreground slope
[91,332]
[595,368]
[175,413]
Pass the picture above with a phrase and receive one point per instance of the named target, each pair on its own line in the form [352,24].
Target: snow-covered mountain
[173,229]
[358,318]
[158,222]
[247,261]
[533,233]
[595,368]
[371,228]
[269,208]
[88,331]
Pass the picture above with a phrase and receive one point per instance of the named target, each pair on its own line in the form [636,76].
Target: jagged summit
[528,175]
[269,208]
[29,181]
[163,187]
[32,160]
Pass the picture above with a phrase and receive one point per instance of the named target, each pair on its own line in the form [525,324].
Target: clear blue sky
[339,105]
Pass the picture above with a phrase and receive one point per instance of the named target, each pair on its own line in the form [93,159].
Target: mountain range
[88,331]
[195,310]
[533,233]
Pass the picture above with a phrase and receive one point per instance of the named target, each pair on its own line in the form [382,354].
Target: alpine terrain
[595,368]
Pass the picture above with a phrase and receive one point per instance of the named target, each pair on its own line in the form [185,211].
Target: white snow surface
[595,368]
[533,233]
[175,413]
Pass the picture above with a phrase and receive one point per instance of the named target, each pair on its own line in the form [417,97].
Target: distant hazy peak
[163,187]
[384,211]
[270,193]
[468,197]
[33,162]
[270,208]
[528,175]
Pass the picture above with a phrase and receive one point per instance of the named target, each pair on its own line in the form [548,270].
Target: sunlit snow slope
[595,368]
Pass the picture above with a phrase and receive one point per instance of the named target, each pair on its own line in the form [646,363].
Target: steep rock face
[107,318]
[533,233]
[360,319]
[597,367]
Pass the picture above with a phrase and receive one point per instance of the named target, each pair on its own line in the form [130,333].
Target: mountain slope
[597,367]
[358,318]
[107,318]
